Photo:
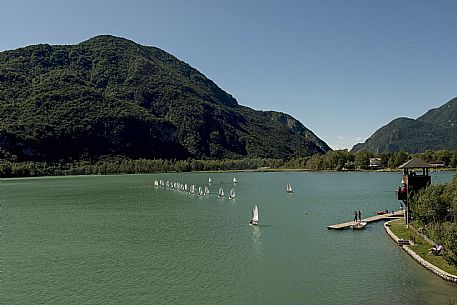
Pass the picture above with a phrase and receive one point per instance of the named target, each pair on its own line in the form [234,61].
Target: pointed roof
[415,163]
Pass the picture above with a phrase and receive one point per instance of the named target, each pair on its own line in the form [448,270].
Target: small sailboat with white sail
[206,190]
[200,191]
[192,189]
[255,216]
[232,194]
[221,192]
[289,188]
[234,180]
[209,181]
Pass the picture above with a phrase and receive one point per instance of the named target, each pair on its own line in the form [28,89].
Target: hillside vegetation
[109,96]
[434,211]
[435,130]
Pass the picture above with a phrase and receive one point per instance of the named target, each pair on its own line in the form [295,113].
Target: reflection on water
[256,238]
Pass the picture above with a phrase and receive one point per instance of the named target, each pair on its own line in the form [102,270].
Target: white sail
[206,190]
[209,180]
[255,214]
[192,189]
[232,194]
[221,192]
[234,179]
[289,188]
[200,191]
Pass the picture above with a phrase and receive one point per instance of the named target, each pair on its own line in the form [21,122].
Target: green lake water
[119,240]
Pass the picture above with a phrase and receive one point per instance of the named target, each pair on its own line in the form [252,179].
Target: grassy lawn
[421,247]
[398,228]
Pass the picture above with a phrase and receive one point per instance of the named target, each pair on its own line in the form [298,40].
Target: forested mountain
[435,130]
[109,96]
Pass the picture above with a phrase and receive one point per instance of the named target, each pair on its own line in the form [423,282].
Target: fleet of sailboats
[204,190]
[192,189]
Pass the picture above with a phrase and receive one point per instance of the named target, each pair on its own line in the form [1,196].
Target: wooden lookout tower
[412,182]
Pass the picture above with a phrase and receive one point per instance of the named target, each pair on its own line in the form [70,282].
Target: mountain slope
[436,129]
[111,96]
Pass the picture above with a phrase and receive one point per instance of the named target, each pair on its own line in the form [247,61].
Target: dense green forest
[333,160]
[435,130]
[434,212]
[110,97]
[129,166]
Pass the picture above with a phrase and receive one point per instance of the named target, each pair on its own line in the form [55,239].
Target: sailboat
[206,190]
[221,192]
[209,180]
[234,180]
[232,194]
[200,191]
[255,216]
[289,188]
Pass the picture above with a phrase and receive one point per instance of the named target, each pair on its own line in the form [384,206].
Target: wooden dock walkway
[347,225]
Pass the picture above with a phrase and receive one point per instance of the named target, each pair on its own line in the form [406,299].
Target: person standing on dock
[360,215]
[355,216]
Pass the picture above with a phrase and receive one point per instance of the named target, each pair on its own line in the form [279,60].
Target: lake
[120,240]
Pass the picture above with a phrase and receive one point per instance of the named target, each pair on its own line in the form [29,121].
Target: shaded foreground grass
[421,247]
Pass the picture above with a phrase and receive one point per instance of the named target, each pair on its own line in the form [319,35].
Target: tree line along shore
[337,160]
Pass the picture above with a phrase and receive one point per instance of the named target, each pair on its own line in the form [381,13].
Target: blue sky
[343,68]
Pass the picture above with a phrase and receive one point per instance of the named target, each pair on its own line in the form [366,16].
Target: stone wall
[443,274]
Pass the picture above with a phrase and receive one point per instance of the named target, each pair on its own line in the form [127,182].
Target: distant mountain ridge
[435,130]
[109,96]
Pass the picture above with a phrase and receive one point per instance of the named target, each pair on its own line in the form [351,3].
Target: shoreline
[429,266]
[256,170]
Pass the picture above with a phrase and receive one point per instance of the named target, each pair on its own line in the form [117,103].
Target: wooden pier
[387,216]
